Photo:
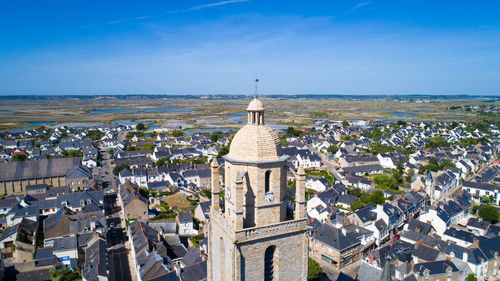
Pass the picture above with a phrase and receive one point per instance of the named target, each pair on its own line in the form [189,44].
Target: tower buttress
[238,200]
[300,194]
[215,184]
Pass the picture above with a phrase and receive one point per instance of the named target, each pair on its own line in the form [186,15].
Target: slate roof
[418,226]
[363,169]
[195,272]
[176,252]
[435,267]
[334,237]
[490,246]
[193,256]
[169,276]
[480,185]
[44,256]
[185,217]
[329,197]
[95,260]
[425,252]
[427,240]
[46,168]
[346,199]
[380,225]
[477,223]
[9,232]
[366,214]
[367,272]
[460,234]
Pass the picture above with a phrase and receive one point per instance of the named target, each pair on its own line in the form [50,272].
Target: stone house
[334,246]
[134,205]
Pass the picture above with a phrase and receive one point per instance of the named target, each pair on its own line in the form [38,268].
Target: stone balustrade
[260,232]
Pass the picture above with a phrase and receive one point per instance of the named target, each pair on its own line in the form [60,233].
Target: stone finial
[301,171]
[214,162]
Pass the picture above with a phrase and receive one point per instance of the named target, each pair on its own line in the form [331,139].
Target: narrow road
[331,167]
[119,268]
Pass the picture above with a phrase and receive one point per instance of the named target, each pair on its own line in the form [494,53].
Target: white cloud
[200,7]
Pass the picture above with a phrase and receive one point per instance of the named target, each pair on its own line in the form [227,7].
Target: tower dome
[255,105]
[255,142]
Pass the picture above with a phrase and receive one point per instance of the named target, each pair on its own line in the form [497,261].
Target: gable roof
[435,267]
[46,168]
[334,237]
[195,272]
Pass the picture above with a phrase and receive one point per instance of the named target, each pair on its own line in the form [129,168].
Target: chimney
[344,232]
[465,256]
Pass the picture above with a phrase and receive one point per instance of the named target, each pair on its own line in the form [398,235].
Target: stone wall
[19,186]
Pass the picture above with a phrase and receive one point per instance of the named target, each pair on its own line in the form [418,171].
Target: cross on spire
[256,86]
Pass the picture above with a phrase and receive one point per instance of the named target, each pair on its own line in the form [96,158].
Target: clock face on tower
[269,197]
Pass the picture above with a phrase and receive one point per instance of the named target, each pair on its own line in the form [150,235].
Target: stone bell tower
[253,237]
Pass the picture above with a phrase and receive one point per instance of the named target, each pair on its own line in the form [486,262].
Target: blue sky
[218,47]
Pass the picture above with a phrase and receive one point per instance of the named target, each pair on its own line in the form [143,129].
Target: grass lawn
[178,201]
[164,220]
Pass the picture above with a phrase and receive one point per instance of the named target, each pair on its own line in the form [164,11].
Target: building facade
[253,238]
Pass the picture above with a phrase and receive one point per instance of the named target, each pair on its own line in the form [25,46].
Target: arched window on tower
[267,180]
[269,263]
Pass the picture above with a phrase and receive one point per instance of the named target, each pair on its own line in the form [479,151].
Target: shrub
[315,270]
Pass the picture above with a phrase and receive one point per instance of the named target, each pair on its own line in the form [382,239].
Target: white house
[186,226]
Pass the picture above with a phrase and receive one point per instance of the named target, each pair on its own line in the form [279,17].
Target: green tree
[64,274]
[377,197]
[435,142]
[19,157]
[345,124]
[72,153]
[292,132]
[207,193]
[223,151]
[375,133]
[140,127]
[314,271]
[161,162]
[471,277]
[489,213]
[148,146]
[309,193]
[144,192]
[95,134]
[384,181]
[177,133]
[357,204]
[400,167]
[197,239]
[332,149]
[475,208]
[119,168]
[215,136]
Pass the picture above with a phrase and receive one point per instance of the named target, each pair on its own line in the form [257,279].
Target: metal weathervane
[256,86]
